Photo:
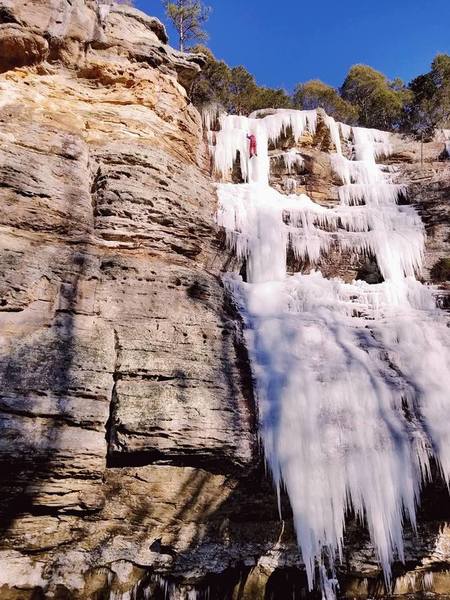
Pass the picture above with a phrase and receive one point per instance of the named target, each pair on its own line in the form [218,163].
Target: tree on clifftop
[429,107]
[233,88]
[188,18]
[315,93]
[379,101]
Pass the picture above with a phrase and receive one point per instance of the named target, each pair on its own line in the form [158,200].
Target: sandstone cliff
[129,451]
[119,348]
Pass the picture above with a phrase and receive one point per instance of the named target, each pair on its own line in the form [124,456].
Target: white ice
[172,591]
[291,159]
[352,379]
[232,140]
[211,113]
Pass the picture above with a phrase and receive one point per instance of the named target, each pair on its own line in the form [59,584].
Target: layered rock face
[129,450]
[119,349]
[426,171]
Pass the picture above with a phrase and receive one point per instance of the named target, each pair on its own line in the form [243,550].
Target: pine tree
[188,18]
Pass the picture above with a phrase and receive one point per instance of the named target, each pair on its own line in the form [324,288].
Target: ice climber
[252,140]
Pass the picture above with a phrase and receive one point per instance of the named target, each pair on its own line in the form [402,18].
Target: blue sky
[289,41]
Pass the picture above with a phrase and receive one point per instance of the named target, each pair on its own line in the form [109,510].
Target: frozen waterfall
[352,379]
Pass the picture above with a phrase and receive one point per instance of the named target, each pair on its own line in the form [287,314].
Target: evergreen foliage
[367,97]
[188,18]
[233,88]
[429,106]
[315,94]
[379,102]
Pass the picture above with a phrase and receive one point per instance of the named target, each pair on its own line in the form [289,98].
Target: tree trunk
[181,36]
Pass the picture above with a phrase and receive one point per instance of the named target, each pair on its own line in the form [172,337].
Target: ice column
[351,379]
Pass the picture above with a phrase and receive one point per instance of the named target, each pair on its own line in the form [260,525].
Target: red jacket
[252,140]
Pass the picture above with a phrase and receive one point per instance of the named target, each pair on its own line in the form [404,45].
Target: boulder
[20,48]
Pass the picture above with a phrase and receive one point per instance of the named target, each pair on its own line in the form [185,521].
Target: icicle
[371,144]
[428,581]
[335,133]
[231,141]
[172,591]
[334,362]
[346,131]
[290,185]
[329,585]
[382,194]
[211,114]
[292,158]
